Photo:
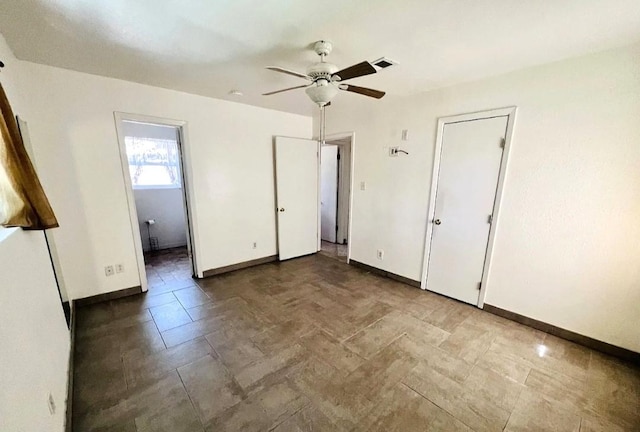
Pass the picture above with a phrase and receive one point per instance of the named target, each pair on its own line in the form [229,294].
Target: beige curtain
[22,199]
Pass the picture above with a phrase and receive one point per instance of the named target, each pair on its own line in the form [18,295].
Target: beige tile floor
[313,344]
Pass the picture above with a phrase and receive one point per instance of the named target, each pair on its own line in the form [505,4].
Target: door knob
[437,221]
[281,209]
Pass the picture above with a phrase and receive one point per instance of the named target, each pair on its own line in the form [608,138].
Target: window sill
[135,188]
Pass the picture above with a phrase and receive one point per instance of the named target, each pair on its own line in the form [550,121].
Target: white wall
[567,248]
[166,208]
[229,150]
[35,340]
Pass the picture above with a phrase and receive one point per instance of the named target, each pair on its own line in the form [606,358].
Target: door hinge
[502,143]
[336,228]
[479,285]
[490,218]
[338,155]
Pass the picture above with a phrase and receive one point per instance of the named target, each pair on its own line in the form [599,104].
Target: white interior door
[344,192]
[328,192]
[466,190]
[297,196]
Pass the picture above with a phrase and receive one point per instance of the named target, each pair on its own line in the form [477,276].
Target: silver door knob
[437,221]
[281,209]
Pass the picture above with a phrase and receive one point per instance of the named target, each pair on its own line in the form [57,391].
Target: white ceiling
[210,47]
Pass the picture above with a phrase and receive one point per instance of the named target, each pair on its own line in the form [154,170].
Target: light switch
[363,185]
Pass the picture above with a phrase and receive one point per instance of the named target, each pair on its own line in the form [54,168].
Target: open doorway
[335,194]
[153,166]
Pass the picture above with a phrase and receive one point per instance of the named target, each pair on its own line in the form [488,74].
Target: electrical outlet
[52,404]
[393,151]
[108,270]
[255,245]
[380,254]
[119,268]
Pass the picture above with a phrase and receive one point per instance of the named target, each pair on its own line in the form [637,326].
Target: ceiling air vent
[383,63]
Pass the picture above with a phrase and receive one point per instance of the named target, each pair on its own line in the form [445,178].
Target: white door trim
[510,112]
[187,175]
[352,135]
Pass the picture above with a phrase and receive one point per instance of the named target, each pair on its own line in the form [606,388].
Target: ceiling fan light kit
[322,93]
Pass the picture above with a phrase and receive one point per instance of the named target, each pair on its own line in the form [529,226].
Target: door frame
[509,112]
[187,190]
[352,148]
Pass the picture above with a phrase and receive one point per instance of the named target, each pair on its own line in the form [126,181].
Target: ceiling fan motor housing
[321,70]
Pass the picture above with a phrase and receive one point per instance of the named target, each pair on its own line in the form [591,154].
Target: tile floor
[167,266]
[313,344]
[334,250]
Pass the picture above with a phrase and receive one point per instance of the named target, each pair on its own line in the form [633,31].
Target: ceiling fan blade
[284,90]
[288,72]
[363,91]
[357,70]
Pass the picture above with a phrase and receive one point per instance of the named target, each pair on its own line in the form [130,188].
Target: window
[153,163]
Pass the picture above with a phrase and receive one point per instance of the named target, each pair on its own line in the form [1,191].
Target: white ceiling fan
[326,79]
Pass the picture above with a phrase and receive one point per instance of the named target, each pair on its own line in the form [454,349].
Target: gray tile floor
[313,344]
[334,250]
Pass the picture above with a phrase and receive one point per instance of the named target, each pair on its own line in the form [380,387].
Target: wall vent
[383,63]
